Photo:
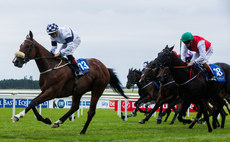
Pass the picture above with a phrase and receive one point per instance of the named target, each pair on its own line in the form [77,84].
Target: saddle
[83,67]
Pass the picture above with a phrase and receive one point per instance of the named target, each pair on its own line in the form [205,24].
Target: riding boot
[211,76]
[74,65]
[77,70]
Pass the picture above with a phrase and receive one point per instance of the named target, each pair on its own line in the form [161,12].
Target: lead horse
[57,81]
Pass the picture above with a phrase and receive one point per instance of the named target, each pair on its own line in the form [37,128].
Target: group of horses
[165,80]
[176,84]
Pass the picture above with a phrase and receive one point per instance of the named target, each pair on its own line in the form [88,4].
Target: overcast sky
[121,33]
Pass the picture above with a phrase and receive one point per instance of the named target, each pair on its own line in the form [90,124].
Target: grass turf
[105,126]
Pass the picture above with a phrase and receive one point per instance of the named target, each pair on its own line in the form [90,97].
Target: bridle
[27,58]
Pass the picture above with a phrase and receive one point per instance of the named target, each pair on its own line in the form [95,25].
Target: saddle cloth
[218,72]
[83,65]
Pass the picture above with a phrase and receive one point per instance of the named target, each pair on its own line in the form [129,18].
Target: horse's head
[149,75]
[26,52]
[132,77]
[165,58]
[164,75]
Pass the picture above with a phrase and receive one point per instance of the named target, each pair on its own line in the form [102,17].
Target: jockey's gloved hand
[53,49]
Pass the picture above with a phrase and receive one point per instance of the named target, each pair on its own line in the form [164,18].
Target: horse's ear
[171,48]
[166,47]
[31,34]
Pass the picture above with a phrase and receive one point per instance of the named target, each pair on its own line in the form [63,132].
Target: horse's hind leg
[92,110]
[223,116]
[74,107]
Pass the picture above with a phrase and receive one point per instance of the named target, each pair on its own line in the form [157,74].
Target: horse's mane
[40,46]
[138,71]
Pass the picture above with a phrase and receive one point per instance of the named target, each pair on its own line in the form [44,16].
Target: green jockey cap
[186,36]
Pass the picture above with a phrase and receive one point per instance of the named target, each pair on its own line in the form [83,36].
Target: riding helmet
[51,28]
[186,36]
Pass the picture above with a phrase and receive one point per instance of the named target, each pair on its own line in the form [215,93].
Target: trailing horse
[147,93]
[193,87]
[168,92]
[57,81]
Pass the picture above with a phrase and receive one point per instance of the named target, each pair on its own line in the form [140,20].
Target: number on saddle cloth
[83,65]
[218,72]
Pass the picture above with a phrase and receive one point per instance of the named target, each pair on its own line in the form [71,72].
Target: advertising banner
[131,106]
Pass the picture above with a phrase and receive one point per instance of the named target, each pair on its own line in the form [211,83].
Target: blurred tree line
[26,83]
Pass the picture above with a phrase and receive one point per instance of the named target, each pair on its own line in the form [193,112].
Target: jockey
[69,40]
[202,51]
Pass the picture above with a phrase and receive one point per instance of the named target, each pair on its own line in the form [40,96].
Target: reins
[58,66]
[182,67]
[179,67]
[188,80]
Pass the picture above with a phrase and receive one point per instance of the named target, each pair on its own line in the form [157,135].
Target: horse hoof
[122,116]
[14,118]
[55,125]
[48,121]
[194,119]
[199,121]
[158,121]
[82,133]
[171,123]
[142,122]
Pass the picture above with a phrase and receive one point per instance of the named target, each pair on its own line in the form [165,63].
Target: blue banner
[20,103]
[1,103]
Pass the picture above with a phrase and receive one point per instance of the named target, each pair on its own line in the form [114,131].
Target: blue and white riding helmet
[51,28]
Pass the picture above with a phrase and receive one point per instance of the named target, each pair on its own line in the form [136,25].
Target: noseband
[25,57]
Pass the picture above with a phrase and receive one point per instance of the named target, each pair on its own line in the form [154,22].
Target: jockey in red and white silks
[202,50]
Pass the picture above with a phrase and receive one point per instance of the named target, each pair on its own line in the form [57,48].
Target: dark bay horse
[193,87]
[57,81]
[147,93]
[168,92]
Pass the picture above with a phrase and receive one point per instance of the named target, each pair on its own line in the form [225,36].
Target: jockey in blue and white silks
[69,40]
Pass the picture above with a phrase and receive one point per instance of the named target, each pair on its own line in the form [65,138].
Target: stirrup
[78,73]
[213,78]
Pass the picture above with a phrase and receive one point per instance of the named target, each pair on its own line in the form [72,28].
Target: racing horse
[147,93]
[57,80]
[168,92]
[193,87]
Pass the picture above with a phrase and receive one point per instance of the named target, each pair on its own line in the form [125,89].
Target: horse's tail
[115,83]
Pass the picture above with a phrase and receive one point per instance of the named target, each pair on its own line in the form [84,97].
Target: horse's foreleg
[74,107]
[44,96]
[19,115]
[151,112]
[206,116]
[195,119]
[160,115]
[223,116]
[40,118]
[184,107]
[23,113]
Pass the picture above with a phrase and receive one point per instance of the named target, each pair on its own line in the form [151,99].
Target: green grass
[105,126]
